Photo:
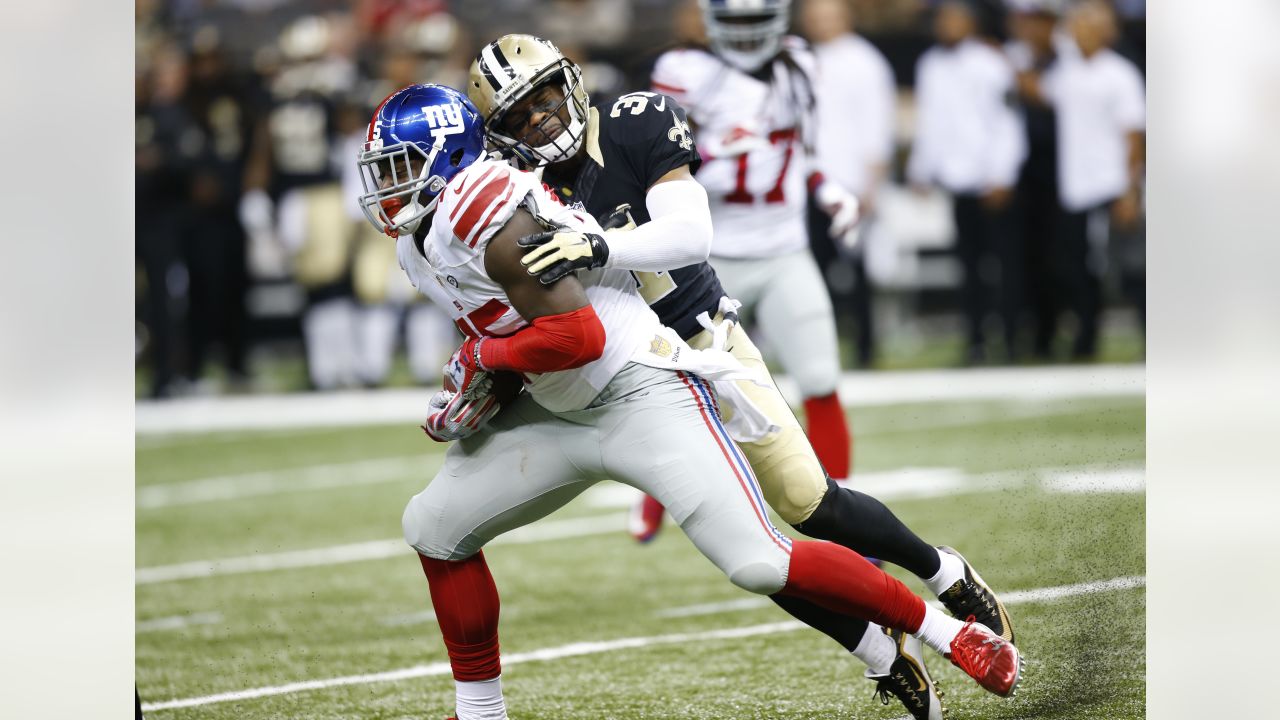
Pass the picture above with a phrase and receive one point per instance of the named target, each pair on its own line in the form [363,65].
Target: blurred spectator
[969,141]
[856,98]
[1033,51]
[293,197]
[422,49]
[1101,107]
[162,159]
[592,25]
[214,241]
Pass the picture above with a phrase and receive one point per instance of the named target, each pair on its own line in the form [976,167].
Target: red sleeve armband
[550,343]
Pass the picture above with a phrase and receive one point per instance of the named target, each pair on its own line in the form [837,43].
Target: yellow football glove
[556,253]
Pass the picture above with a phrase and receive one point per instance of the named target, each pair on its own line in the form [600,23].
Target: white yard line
[337,409]
[272,482]
[373,550]
[1010,598]
[597,647]
[904,484]
[383,470]
[177,622]
[1084,480]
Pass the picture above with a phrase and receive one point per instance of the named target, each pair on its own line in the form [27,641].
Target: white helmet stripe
[495,69]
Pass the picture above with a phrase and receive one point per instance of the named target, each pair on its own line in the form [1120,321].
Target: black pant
[215,255]
[984,242]
[827,254]
[1076,264]
[1038,216]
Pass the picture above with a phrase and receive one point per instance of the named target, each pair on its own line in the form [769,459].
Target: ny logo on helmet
[444,120]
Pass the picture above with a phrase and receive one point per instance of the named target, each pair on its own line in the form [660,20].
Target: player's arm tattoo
[528,296]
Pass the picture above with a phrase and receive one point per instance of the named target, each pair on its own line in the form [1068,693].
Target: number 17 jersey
[751,131]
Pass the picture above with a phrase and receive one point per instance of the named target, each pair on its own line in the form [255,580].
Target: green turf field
[1037,496]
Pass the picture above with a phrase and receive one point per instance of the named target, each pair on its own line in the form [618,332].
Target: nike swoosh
[458,190]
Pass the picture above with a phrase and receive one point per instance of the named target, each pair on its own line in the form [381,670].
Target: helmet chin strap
[554,151]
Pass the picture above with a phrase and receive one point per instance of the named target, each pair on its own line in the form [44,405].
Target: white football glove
[842,207]
[453,417]
[728,311]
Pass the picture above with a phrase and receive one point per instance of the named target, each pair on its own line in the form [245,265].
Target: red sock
[840,580]
[829,434]
[466,605]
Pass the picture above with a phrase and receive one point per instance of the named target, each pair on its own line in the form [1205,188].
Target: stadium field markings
[273,482]
[400,405]
[330,476]
[904,484]
[577,649]
[1015,597]
[177,622]
[373,550]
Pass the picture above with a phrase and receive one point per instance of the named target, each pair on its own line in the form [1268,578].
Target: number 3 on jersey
[637,102]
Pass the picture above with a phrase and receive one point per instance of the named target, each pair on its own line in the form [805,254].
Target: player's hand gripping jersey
[754,134]
[449,268]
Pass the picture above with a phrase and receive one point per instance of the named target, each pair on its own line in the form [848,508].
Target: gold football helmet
[514,68]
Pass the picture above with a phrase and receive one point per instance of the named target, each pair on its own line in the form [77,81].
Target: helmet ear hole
[456,158]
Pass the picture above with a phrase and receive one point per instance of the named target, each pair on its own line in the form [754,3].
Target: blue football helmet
[746,33]
[419,138]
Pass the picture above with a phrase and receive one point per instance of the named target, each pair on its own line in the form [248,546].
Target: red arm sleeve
[552,342]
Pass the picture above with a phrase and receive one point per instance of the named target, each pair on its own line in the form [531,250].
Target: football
[506,385]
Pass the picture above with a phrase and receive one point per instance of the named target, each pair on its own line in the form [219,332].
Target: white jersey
[473,207]
[753,136]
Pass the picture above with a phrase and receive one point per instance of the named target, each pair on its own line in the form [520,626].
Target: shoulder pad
[682,72]
[478,201]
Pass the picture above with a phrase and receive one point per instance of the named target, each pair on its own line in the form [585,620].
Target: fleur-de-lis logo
[680,133]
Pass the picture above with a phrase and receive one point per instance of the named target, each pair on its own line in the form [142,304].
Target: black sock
[843,629]
[863,524]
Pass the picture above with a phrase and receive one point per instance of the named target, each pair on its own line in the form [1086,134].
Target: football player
[292,208]
[749,95]
[639,151]
[611,394]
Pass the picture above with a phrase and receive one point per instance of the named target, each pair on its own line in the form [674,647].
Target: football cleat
[909,680]
[646,519]
[970,596]
[987,658]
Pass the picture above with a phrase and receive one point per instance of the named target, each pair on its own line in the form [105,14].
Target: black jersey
[303,129]
[630,144]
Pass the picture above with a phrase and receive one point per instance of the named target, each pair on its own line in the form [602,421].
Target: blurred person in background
[1101,108]
[751,101]
[969,141]
[1034,50]
[414,49]
[163,154]
[214,244]
[292,207]
[856,97]
[588,25]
